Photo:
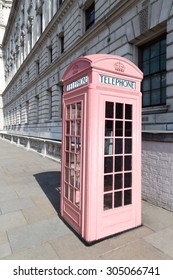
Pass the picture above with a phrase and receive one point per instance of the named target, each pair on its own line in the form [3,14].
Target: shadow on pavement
[50,184]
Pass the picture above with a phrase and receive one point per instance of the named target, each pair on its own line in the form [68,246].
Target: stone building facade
[43,37]
[4,14]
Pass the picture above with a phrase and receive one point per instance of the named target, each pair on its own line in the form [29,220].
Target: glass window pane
[155,97]
[78,110]
[117,199]
[146,98]
[128,180]
[108,146]
[68,112]
[163,46]
[127,163]
[67,127]
[119,111]
[67,143]
[107,183]
[77,180]
[128,197]
[154,50]
[66,191]
[73,111]
[118,146]
[118,128]
[78,145]
[163,96]
[67,175]
[163,62]
[118,182]
[108,128]
[146,84]
[128,128]
[146,68]
[78,127]
[72,127]
[108,164]
[118,163]
[155,81]
[108,201]
[77,198]
[128,112]
[128,146]
[154,65]
[67,159]
[163,79]
[71,194]
[72,159]
[72,177]
[109,110]
[146,54]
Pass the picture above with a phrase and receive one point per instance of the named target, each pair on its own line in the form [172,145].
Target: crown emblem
[119,67]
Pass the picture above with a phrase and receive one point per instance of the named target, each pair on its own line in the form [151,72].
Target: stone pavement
[31,229]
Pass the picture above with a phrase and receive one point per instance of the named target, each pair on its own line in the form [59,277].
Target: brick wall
[157,171]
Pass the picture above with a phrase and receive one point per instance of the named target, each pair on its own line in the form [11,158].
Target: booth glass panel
[73,131]
[118,155]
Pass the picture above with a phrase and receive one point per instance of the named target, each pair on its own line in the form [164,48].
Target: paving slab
[5,248]
[137,250]
[42,252]
[155,217]
[24,191]
[15,205]
[8,196]
[36,214]
[162,240]
[11,220]
[36,234]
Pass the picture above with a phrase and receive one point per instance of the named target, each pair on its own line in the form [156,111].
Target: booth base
[90,243]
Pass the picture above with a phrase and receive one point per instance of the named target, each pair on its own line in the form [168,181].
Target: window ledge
[155,110]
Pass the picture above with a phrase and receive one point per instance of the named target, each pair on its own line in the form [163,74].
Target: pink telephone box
[101,146]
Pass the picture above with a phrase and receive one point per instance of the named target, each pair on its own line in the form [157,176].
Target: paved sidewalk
[31,229]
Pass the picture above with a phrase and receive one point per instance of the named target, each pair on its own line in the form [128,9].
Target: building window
[62,43]
[41,23]
[50,50]
[27,112]
[37,64]
[90,16]
[37,108]
[153,65]
[49,95]
[20,114]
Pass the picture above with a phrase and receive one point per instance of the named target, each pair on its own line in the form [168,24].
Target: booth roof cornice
[117,64]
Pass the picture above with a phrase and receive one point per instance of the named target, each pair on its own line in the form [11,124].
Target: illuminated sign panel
[117,82]
[82,81]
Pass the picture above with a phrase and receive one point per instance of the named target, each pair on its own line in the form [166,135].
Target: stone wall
[157,169]
[46,148]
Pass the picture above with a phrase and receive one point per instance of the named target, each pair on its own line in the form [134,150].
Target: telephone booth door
[73,110]
[120,193]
